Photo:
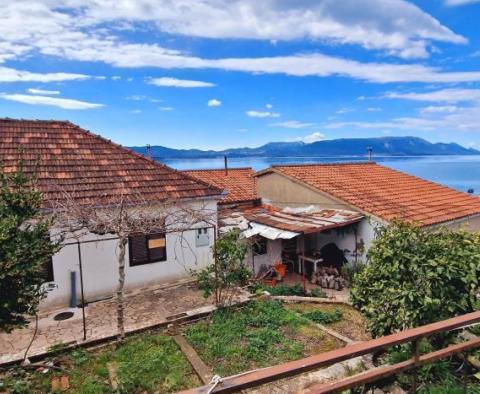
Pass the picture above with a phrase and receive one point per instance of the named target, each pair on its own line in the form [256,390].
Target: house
[280,234]
[239,183]
[69,160]
[379,193]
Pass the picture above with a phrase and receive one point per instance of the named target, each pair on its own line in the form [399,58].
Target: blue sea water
[459,172]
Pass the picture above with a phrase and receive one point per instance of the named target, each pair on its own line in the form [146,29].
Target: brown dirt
[314,340]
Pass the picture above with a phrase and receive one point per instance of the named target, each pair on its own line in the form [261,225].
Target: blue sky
[218,74]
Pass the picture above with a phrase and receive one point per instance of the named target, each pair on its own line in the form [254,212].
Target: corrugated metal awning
[287,223]
[268,232]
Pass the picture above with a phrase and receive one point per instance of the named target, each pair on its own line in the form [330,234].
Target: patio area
[143,308]
[292,279]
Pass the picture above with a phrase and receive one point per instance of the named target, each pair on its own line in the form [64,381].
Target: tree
[25,247]
[229,270]
[416,276]
[123,216]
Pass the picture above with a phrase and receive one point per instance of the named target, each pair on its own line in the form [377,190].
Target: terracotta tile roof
[92,169]
[239,182]
[384,192]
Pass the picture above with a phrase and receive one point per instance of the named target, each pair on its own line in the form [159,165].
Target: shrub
[222,278]
[25,247]
[324,317]
[416,276]
[350,270]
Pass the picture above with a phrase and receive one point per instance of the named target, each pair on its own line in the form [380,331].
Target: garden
[231,340]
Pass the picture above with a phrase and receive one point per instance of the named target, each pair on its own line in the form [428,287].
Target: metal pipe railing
[276,372]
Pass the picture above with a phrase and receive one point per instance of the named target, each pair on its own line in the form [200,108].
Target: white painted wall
[273,255]
[100,265]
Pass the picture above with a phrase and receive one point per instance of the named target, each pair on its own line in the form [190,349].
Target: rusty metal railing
[414,335]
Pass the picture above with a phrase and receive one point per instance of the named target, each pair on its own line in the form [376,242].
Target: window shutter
[138,249]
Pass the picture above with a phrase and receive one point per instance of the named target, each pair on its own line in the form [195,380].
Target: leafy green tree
[229,270]
[25,246]
[416,276]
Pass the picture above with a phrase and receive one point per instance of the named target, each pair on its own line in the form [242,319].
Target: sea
[459,172]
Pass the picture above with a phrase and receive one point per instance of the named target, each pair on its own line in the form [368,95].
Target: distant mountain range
[384,146]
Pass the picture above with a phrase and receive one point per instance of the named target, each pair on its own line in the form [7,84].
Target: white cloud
[268,106]
[460,2]
[88,33]
[262,114]
[314,137]
[444,118]
[292,124]
[136,97]
[367,23]
[180,83]
[51,101]
[438,108]
[116,77]
[443,95]
[165,108]
[136,111]
[214,103]
[11,75]
[43,92]
[343,111]
[374,109]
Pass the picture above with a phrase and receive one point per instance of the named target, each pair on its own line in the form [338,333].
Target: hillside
[384,146]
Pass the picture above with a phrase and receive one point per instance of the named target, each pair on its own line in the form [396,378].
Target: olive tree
[416,276]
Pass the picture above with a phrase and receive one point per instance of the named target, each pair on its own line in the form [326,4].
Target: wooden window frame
[48,273]
[149,259]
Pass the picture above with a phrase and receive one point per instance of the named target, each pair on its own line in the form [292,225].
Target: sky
[214,74]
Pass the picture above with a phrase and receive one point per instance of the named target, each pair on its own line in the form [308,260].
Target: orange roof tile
[384,192]
[239,182]
[69,159]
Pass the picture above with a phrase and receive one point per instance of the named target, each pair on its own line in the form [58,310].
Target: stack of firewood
[328,278]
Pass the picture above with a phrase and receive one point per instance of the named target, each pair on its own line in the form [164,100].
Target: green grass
[148,362]
[262,333]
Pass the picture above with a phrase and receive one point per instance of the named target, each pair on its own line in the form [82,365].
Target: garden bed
[260,334]
[145,363]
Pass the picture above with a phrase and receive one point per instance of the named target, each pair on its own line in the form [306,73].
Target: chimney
[370,152]
[226,164]
[149,151]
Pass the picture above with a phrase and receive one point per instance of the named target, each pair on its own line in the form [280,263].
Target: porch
[307,245]
[146,307]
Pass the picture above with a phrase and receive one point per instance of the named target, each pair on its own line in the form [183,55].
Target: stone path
[143,308]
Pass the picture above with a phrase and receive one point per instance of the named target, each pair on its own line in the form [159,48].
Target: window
[47,270]
[202,238]
[146,249]
[260,246]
